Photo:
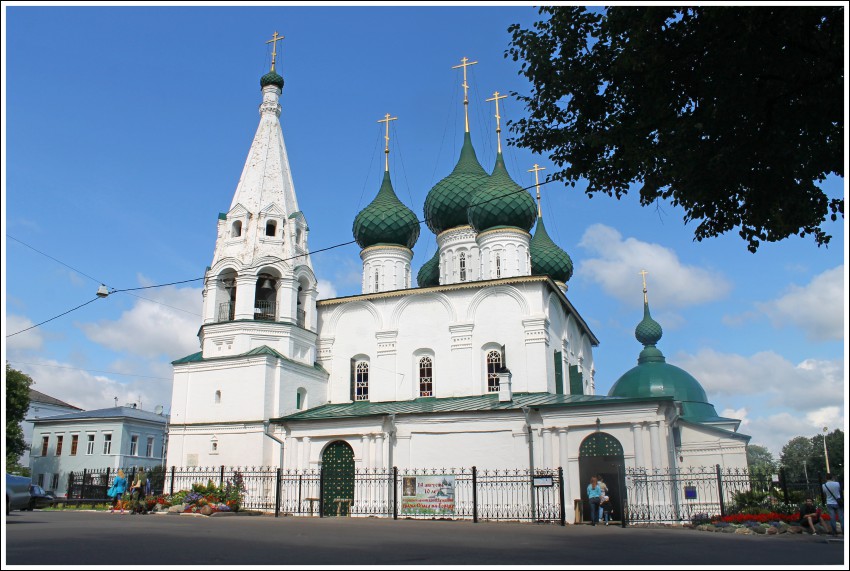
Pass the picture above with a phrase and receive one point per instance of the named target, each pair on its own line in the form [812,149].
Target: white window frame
[149,447]
[425,379]
[107,443]
[361,381]
[462,265]
[214,445]
[134,445]
[493,376]
[90,438]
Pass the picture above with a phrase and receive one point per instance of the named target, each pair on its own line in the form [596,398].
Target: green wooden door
[337,478]
[576,384]
[559,373]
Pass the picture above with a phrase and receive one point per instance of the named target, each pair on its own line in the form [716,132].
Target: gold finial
[643,275]
[387,120]
[496,98]
[275,39]
[537,168]
[464,63]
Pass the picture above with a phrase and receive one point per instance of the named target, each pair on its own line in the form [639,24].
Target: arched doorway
[600,454]
[337,478]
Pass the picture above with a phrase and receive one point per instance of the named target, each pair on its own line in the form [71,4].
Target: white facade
[385,268]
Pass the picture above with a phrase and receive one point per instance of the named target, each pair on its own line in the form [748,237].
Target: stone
[795,529]
[175,509]
[772,531]
[703,527]
[759,529]
[744,531]
[206,510]
[729,529]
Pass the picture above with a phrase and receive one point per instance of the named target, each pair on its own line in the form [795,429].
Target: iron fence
[93,484]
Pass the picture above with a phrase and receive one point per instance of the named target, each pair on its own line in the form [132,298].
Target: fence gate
[337,479]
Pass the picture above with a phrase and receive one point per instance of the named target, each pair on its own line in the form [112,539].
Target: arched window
[271,228]
[498,266]
[407,276]
[300,398]
[298,236]
[462,263]
[426,377]
[236,229]
[361,381]
[494,363]
[377,280]
[218,397]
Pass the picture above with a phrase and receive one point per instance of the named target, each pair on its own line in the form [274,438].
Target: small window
[59,440]
[149,451]
[361,385]
[218,397]
[301,398]
[462,261]
[214,447]
[134,445]
[271,228]
[377,280]
[54,482]
[298,236]
[236,230]
[90,445]
[107,444]
[498,266]
[75,439]
[494,363]
[426,377]
[45,440]
[407,276]
[41,479]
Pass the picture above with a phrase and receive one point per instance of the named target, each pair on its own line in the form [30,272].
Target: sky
[126,130]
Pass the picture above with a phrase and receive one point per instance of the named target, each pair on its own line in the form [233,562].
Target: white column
[637,433]
[547,447]
[562,448]
[295,456]
[306,452]
[365,442]
[379,451]
[245,293]
[654,445]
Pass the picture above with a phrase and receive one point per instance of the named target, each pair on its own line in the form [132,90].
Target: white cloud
[804,387]
[326,289]
[152,329]
[31,340]
[817,308]
[619,260]
[739,413]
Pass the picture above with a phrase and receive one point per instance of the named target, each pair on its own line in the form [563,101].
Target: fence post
[70,490]
[474,494]
[621,476]
[321,491]
[720,491]
[107,475]
[784,484]
[83,487]
[395,492]
[172,481]
[277,495]
[299,504]
[561,495]
[132,476]
[221,477]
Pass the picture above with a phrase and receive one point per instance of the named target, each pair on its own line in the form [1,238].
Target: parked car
[17,492]
[39,498]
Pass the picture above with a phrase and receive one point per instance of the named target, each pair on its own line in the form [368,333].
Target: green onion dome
[501,202]
[654,377]
[547,259]
[429,273]
[272,78]
[386,220]
[447,203]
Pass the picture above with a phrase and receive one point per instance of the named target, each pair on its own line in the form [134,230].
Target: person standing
[594,494]
[832,491]
[605,508]
[604,488]
[119,486]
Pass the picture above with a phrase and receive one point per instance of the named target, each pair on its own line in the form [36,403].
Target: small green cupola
[271,78]
[386,220]
[654,377]
[547,259]
[501,202]
[429,273]
[447,203]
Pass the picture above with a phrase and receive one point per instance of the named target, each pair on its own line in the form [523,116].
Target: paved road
[97,538]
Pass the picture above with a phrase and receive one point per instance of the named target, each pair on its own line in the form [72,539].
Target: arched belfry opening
[265,297]
[302,302]
[226,295]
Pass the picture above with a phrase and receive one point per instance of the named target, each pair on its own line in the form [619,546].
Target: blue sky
[126,130]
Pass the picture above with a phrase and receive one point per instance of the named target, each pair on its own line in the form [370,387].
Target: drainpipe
[526,411]
[266,426]
[390,437]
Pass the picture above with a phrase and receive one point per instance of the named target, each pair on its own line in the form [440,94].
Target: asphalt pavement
[101,538]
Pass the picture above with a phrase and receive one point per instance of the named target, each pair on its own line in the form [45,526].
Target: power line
[90,370]
[52,318]
[54,259]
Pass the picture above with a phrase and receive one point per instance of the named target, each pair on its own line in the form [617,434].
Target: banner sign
[428,495]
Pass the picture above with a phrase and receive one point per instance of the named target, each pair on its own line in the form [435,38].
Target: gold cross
[387,120]
[537,168]
[643,275]
[496,98]
[464,63]
[275,39]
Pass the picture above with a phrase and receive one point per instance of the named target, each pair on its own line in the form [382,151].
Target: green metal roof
[262,350]
[386,220]
[429,273]
[222,215]
[478,403]
[547,259]
[272,78]
[501,202]
[447,202]
[648,331]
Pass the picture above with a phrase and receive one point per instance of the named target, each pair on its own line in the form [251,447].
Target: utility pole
[825,454]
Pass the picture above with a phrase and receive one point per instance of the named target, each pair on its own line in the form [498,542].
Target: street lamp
[825,455]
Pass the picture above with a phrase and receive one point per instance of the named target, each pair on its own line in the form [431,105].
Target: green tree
[760,461]
[733,113]
[17,404]
[796,459]
[835,447]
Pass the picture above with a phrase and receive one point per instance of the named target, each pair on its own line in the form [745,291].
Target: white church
[484,362]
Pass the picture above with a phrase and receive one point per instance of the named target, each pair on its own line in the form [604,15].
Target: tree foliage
[760,460]
[17,404]
[808,451]
[733,113]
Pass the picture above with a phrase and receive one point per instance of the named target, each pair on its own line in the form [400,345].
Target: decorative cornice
[504,230]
